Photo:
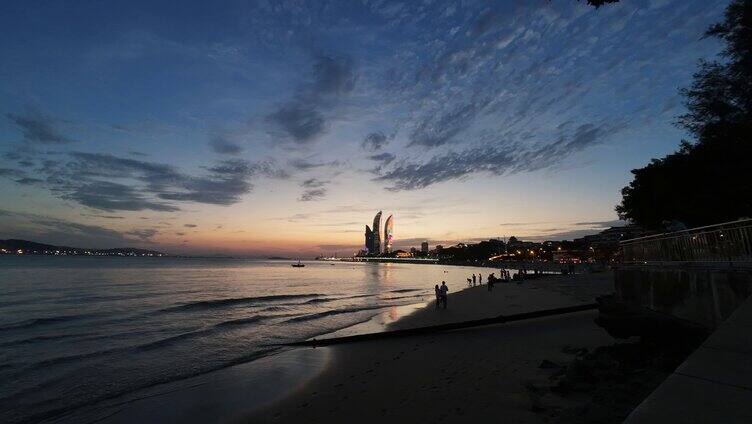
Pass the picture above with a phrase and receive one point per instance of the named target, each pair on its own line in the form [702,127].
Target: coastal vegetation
[708,179]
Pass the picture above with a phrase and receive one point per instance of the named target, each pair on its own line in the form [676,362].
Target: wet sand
[481,373]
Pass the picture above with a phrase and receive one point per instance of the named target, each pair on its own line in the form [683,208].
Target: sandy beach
[481,373]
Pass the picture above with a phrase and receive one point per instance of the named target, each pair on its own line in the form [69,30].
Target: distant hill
[12,246]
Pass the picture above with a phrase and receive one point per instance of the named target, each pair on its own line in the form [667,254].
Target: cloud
[334,75]
[313,183]
[222,145]
[9,172]
[445,167]
[299,217]
[303,118]
[495,159]
[306,164]
[271,170]
[438,129]
[374,141]
[385,158]
[314,190]
[224,184]
[611,223]
[37,127]
[190,225]
[110,183]
[302,122]
[312,194]
[103,216]
[28,181]
[485,22]
[45,229]
[109,196]
[143,234]
[99,165]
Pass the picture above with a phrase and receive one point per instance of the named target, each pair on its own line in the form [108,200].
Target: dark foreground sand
[486,374]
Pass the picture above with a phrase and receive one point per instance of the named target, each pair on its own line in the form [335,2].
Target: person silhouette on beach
[473,280]
[438,295]
[444,289]
[480,278]
[469,282]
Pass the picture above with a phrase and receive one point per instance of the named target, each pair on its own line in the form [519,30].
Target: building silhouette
[369,239]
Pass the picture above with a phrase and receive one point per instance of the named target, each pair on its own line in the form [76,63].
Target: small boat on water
[298,265]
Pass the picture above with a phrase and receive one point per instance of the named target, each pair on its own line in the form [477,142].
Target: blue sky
[281,127]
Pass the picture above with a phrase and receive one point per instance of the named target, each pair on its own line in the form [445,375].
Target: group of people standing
[472,281]
[492,279]
[441,290]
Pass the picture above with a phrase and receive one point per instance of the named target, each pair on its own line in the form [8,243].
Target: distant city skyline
[257,129]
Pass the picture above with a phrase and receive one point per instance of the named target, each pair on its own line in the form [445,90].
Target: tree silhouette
[709,180]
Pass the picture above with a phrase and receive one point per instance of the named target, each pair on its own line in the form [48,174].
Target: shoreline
[474,373]
[248,392]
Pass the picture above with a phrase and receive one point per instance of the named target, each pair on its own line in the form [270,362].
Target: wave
[404,290]
[334,312]
[210,330]
[274,308]
[321,300]
[54,413]
[333,299]
[242,321]
[155,344]
[170,340]
[219,303]
[31,340]
[37,322]
[59,360]
[412,296]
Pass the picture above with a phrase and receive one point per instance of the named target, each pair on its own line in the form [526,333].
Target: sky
[282,127]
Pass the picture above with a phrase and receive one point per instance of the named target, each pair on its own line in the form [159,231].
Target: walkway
[714,385]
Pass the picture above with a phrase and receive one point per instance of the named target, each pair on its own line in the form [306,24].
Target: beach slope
[480,373]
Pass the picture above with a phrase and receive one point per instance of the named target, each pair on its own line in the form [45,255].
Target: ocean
[77,331]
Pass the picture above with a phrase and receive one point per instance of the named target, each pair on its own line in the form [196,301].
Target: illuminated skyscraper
[388,234]
[376,245]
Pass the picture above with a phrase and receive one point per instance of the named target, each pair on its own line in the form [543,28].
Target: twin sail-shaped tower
[374,237]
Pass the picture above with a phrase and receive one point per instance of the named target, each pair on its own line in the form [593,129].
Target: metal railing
[727,242]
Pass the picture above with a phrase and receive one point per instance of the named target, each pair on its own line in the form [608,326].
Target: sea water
[76,331]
